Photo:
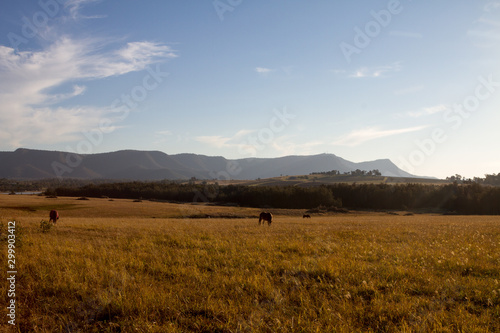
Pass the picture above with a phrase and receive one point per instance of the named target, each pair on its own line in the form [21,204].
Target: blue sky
[417,82]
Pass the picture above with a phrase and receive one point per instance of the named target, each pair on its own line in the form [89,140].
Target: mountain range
[26,164]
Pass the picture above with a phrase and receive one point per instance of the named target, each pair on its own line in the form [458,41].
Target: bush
[45,226]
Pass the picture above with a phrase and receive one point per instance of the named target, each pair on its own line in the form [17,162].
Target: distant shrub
[45,226]
[336,209]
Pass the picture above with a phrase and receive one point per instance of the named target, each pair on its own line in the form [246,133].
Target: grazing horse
[266,217]
[306,216]
[54,216]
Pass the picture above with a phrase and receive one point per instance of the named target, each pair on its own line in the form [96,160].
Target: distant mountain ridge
[155,165]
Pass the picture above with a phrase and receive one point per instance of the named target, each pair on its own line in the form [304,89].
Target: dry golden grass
[123,266]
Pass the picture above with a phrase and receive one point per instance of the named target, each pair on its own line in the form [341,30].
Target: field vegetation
[114,265]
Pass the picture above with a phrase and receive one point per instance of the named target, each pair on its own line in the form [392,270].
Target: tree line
[258,196]
[16,185]
[357,172]
[451,198]
[493,180]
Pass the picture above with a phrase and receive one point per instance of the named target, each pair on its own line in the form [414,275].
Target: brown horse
[54,216]
[266,217]
[306,216]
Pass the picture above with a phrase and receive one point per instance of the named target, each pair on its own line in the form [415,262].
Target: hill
[325,179]
[29,164]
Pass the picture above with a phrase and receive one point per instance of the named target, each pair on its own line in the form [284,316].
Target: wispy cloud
[263,70]
[57,98]
[491,6]
[358,137]
[369,72]
[427,111]
[286,145]
[164,133]
[30,110]
[282,71]
[74,7]
[486,31]
[162,137]
[29,76]
[223,142]
[488,37]
[217,141]
[247,143]
[375,72]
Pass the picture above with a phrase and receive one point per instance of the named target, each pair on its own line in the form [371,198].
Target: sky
[417,82]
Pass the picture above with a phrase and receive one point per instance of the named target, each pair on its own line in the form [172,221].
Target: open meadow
[125,266]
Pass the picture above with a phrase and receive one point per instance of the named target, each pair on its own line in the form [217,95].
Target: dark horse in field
[54,216]
[306,216]
[266,217]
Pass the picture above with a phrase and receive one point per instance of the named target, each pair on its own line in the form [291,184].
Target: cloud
[77,90]
[217,141]
[74,7]
[369,72]
[489,36]
[492,5]
[140,54]
[486,31]
[238,140]
[29,112]
[489,22]
[427,111]
[263,71]
[285,145]
[249,143]
[163,133]
[375,72]
[162,136]
[358,137]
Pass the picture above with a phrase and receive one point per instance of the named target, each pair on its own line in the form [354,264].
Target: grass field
[325,179]
[123,266]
